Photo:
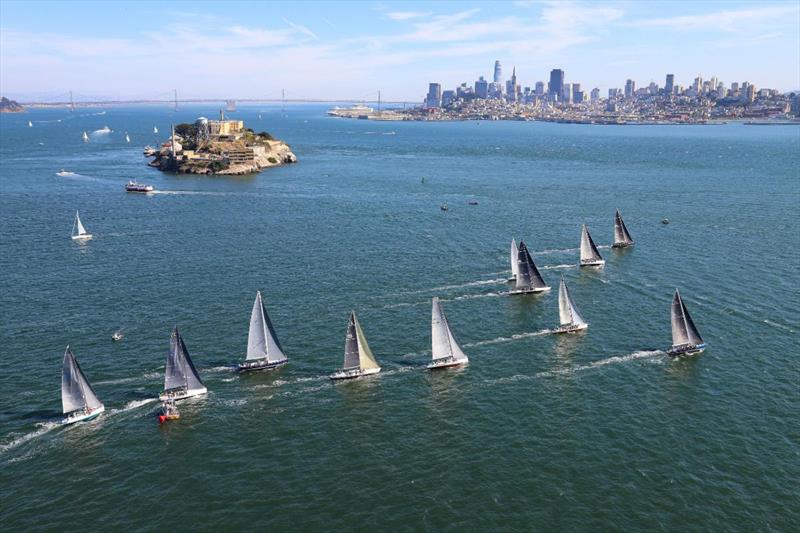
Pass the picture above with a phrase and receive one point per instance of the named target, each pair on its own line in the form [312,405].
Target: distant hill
[10,106]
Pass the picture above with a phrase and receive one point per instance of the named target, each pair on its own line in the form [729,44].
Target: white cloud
[406,15]
[734,20]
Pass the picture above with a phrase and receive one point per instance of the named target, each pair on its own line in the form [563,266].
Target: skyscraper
[566,95]
[539,91]
[498,72]
[434,98]
[669,86]
[512,89]
[577,94]
[630,88]
[556,83]
[481,88]
[595,95]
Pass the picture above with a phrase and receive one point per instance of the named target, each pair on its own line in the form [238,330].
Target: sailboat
[529,279]
[79,233]
[181,379]
[78,399]
[263,349]
[127,138]
[155,129]
[85,137]
[622,238]
[30,124]
[358,358]
[514,256]
[686,340]
[445,351]
[590,255]
[569,317]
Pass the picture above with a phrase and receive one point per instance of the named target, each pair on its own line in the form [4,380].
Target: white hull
[570,328]
[447,362]
[181,394]
[84,237]
[686,351]
[80,416]
[261,364]
[355,373]
[593,263]
[528,291]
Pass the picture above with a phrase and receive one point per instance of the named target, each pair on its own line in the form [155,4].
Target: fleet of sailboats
[686,340]
[570,319]
[79,233]
[590,255]
[358,358]
[181,379]
[264,352]
[622,238]
[445,351]
[78,399]
[527,279]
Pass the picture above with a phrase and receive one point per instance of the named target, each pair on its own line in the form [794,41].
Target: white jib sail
[262,343]
[443,343]
[567,312]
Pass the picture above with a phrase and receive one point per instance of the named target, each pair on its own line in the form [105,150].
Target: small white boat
[79,233]
[622,239]
[127,138]
[78,399]
[85,137]
[444,207]
[686,340]
[569,318]
[528,278]
[30,124]
[590,255]
[135,186]
[117,336]
[181,379]
[155,130]
[445,351]
[264,352]
[358,358]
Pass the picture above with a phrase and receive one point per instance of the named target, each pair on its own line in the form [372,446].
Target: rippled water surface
[594,431]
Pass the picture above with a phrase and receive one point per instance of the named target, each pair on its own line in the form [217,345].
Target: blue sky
[352,49]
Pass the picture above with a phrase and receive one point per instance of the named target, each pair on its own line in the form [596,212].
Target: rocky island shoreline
[219,147]
[10,106]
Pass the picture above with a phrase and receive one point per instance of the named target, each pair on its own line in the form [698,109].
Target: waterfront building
[669,85]
[434,98]
[498,72]
[448,97]
[539,91]
[481,88]
[630,88]
[595,94]
[796,105]
[556,83]
[225,130]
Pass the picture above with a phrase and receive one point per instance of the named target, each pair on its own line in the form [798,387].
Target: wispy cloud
[729,20]
[406,15]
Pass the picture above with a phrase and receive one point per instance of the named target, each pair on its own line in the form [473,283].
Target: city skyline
[351,50]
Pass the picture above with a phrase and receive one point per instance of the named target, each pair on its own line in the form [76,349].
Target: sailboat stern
[181,394]
[570,328]
[529,290]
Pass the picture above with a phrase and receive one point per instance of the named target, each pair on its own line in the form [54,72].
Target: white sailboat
[514,257]
[528,279]
[622,238]
[78,399]
[181,379]
[79,233]
[127,138]
[85,137]
[445,351]
[264,352]
[155,129]
[686,340]
[358,358]
[569,317]
[30,124]
[590,255]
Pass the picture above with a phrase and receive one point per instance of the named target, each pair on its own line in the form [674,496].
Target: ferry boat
[134,186]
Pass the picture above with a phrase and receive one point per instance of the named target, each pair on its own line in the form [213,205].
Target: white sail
[262,342]
[30,124]
[589,251]
[127,138]
[76,392]
[683,329]
[366,360]
[528,276]
[357,353]
[79,225]
[180,372]
[567,312]
[514,259]
[85,137]
[155,130]
[443,343]
[621,235]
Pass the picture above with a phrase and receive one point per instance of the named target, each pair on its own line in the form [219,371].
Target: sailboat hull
[592,263]
[81,416]
[353,373]
[686,350]
[529,290]
[82,237]
[261,364]
[179,394]
[447,362]
[622,245]
[570,328]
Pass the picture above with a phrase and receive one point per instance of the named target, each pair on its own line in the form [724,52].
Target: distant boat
[169,411]
[181,379]
[79,233]
[528,279]
[264,352]
[135,186]
[686,340]
[127,138]
[117,336]
[78,399]
[473,202]
[30,124]
[103,131]
[590,255]
[155,130]
[665,221]
[85,137]
[259,116]
[569,318]
[358,358]
[445,351]
[514,260]
[622,238]
[444,207]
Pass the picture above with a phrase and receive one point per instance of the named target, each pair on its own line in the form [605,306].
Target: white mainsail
[567,312]
[621,235]
[155,130]
[85,137]
[443,343]
[528,276]
[180,372]
[514,258]
[127,138]
[76,392]
[589,252]
[30,124]
[683,329]
[357,353]
[78,231]
[262,342]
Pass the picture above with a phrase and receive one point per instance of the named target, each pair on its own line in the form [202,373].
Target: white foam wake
[553,267]
[135,404]
[603,362]
[41,429]
[515,337]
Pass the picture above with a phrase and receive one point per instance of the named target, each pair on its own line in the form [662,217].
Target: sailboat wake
[554,267]
[515,337]
[135,404]
[41,429]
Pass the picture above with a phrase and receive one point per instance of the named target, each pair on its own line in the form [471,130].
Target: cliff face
[10,106]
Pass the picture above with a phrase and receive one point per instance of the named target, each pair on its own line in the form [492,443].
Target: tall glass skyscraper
[498,72]
[556,86]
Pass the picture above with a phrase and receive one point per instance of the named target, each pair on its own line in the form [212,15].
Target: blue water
[599,431]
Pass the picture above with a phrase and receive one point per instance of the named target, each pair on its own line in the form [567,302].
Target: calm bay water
[595,431]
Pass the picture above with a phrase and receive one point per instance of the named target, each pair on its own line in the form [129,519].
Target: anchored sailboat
[181,379]
[358,358]
[445,351]
[590,255]
[78,399]
[528,277]
[622,238]
[569,317]
[79,233]
[514,256]
[85,137]
[686,340]
[263,349]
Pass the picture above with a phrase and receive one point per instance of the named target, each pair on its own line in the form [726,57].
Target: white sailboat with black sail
[686,340]
[264,352]
[181,379]
[78,399]
[528,278]
[514,257]
[590,255]
[358,358]
[568,315]
[79,233]
[445,351]
[622,238]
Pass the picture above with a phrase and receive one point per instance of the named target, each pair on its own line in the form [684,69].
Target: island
[218,147]
[10,106]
